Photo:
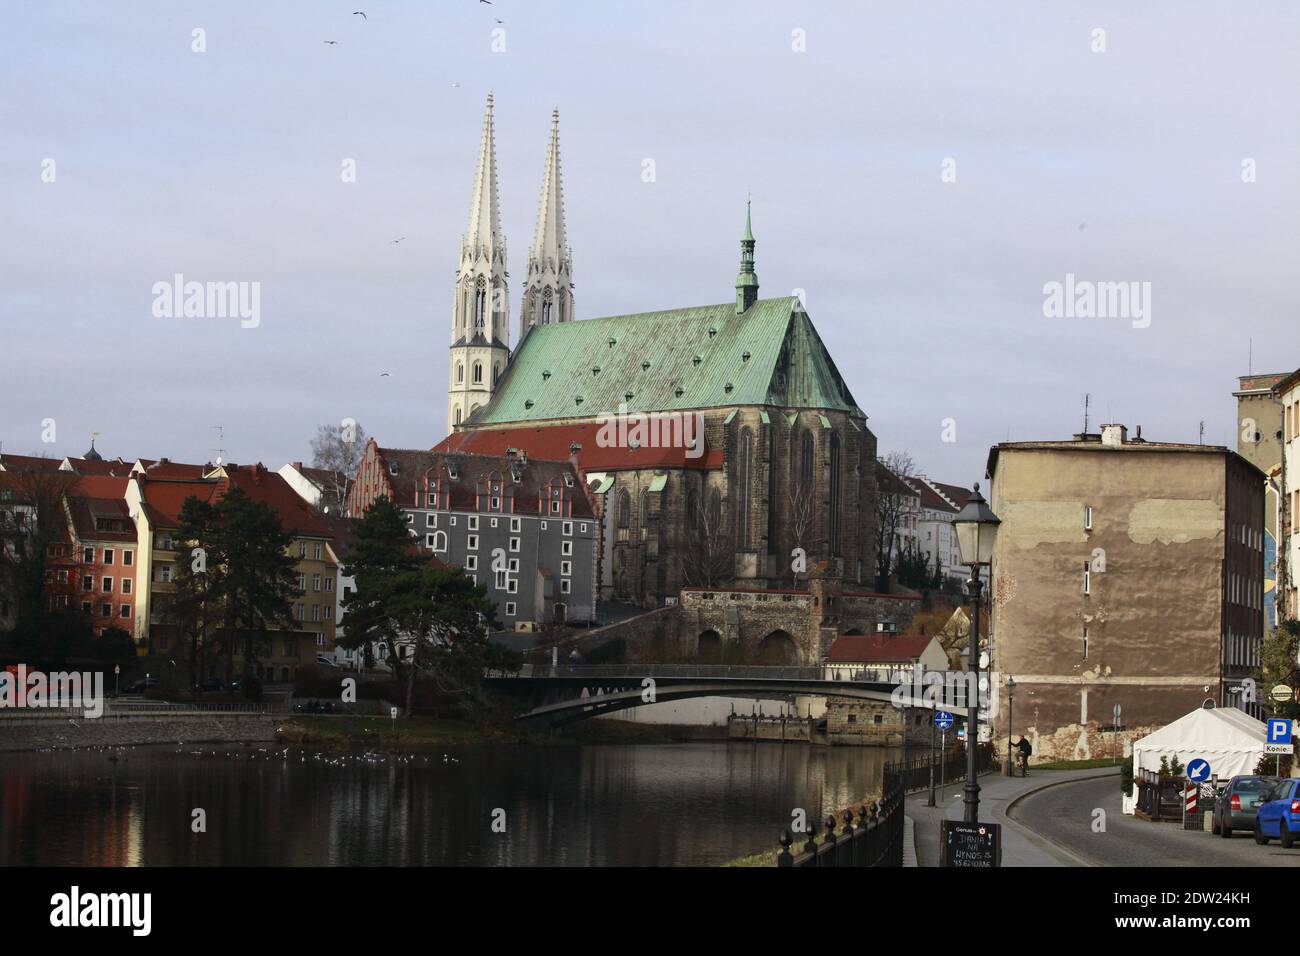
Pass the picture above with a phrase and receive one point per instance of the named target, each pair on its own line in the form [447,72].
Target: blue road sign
[943,720]
[1279,730]
[1198,769]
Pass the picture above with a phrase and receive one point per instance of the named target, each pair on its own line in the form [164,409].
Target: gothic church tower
[479,339]
[548,288]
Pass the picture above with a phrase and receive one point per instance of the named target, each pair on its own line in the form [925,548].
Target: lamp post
[1011,718]
[977,530]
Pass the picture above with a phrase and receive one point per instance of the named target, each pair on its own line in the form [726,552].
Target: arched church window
[835,494]
[457,416]
[496,373]
[460,372]
[546,307]
[480,303]
[806,458]
[624,514]
[478,373]
[745,473]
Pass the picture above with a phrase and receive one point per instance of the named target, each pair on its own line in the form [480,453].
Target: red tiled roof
[162,468]
[91,466]
[877,648]
[101,486]
[163,499]
[270,488]
[88,513]
[553,442]
[30,463]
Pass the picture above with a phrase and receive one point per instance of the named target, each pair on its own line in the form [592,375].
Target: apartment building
[1127,572]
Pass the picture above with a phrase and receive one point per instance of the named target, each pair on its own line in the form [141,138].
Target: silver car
[1234,808]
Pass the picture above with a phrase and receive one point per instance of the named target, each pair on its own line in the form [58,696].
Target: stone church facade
[720,442]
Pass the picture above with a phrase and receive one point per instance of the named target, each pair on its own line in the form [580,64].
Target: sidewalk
[1020,847]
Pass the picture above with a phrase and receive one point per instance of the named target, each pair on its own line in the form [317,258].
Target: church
[782,478]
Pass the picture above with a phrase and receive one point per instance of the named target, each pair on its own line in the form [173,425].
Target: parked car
[1278,814]
[1235,806]
[141,685]
[213,684]
[326,661]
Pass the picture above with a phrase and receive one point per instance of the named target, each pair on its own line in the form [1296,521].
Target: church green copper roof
[704,357]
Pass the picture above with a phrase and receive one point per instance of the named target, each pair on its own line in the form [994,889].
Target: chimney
[297,466]
[1113,436]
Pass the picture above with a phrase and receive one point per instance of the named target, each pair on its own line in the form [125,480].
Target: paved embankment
[1021,846]
[40,733]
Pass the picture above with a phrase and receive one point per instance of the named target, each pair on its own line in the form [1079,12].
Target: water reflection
[563,806]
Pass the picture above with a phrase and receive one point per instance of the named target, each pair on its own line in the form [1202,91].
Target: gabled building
[935,538]
[523,528]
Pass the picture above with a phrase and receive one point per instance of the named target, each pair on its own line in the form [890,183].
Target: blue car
[1279,814]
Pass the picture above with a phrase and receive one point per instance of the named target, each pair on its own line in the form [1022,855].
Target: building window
[566,547]
[514,545]
[1087,577]
[566,568]
[493,522]
[300,611]
[1087,517]
[478,373]
[126,585]
[431,520]
[514,566]
[165,573]
[471,542]
[127,558]
[315,612]
[835,492]
[329,584]
[302,549]
[1085,643]
[125,611]
[514,586]
[568,527]
[501,580]
[86,607]
[107,585]
[87,555]
[473,522]
[108,555]
[471,562]
[316,550]
[510,609]
[745,475]
[514,524]
[582,528]
[565,586]
[106,610]
[440,541]
[63,577]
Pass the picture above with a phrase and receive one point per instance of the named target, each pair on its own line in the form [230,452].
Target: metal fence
[637,671]
[875,840]
[948,768]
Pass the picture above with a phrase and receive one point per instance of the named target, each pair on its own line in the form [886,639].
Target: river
[624,805]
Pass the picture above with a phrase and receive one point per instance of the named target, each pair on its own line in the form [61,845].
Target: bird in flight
[383,374]
[396,241]
[330,42]
[361,14]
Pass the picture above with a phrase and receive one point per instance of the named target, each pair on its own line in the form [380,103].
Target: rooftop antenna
[1086,399]
[221,440]
[1200,440]
[1250,357]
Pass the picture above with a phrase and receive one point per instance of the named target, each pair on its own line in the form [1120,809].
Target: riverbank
[60,733]
[404,734]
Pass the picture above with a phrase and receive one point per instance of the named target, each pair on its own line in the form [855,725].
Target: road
[1064,814]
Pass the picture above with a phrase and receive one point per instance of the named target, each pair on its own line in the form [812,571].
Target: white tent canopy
[1230,739]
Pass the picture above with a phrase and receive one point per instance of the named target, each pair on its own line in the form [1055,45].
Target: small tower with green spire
[747,281]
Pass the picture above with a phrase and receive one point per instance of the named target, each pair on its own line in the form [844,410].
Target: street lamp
[977,531]
[1011,718]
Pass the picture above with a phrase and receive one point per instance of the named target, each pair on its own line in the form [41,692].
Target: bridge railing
[704,671]
[876,839]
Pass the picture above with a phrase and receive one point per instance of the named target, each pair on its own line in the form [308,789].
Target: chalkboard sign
[971,844]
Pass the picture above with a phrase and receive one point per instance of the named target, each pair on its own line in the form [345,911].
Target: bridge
[562,694]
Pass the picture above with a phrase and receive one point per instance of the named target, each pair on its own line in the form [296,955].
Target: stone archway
[708,648]
[778,647]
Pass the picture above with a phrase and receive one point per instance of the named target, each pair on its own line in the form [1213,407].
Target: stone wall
[41,733]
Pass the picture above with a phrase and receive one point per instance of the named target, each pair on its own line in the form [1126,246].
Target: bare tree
[338,449]
[32,519]
[894,503]
[707,554]
[803,522]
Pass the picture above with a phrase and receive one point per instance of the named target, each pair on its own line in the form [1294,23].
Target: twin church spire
[480,346]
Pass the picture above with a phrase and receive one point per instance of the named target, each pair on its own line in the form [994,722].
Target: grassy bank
[349,732]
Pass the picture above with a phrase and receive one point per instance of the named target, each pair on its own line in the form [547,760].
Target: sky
[922,171]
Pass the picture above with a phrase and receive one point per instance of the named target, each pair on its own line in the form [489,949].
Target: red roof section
[877,648]
[270,488]
[553,442]
[30,463]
